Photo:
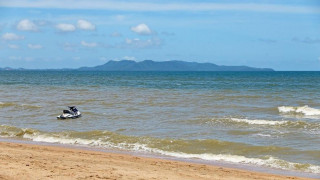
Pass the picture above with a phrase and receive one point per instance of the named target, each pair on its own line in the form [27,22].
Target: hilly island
[150,65]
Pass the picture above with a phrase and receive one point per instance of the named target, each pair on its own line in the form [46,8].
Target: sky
[40,34]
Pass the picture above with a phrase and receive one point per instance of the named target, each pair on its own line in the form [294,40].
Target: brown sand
[26,161]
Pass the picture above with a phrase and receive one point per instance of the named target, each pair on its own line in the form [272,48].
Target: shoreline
[35,160]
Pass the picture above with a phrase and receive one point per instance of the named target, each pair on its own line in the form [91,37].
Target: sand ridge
[28,161]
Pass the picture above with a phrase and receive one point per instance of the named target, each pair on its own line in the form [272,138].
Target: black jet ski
[72,113]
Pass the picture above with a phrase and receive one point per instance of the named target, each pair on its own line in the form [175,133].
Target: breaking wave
[258,121]
[267,161]
[304,110]
[261,122]
[210,149]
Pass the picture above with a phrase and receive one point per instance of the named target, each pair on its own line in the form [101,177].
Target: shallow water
[271,119]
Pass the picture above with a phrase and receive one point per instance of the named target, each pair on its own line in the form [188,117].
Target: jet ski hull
[68,117]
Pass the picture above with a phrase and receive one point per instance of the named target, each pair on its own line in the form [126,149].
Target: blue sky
[284,35]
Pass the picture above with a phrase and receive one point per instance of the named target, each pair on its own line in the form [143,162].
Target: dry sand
[26,161]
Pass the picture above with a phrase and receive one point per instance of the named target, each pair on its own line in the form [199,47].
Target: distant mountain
[149,65]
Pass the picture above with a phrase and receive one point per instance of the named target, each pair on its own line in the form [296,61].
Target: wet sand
[28,161]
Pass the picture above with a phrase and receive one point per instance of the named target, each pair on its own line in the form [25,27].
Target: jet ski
[72,113]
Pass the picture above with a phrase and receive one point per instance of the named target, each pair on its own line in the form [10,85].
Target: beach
[29,161]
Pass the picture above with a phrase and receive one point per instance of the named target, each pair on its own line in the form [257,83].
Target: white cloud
[66,27]
[87,44]
[138,43]
[26,25]
[141,29]
[13,46]
[35,46]
[149,6]
[129,58]
[11,37]
[85,25]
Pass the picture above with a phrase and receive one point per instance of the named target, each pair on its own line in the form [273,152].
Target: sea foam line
[258,121]
[306,110]
[267,162]
[282,123]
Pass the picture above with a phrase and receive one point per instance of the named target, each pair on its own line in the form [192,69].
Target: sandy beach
[28,161]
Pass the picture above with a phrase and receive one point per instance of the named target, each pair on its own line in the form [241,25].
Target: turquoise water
[270,119]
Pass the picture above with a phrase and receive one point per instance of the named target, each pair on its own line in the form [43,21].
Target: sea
[262,119]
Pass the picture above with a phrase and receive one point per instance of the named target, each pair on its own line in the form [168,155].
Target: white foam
[61,140]
[264,135]
[258,121]
[267,161]
[306,110]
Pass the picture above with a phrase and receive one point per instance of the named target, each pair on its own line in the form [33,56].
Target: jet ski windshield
[73,108]
[66,111]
